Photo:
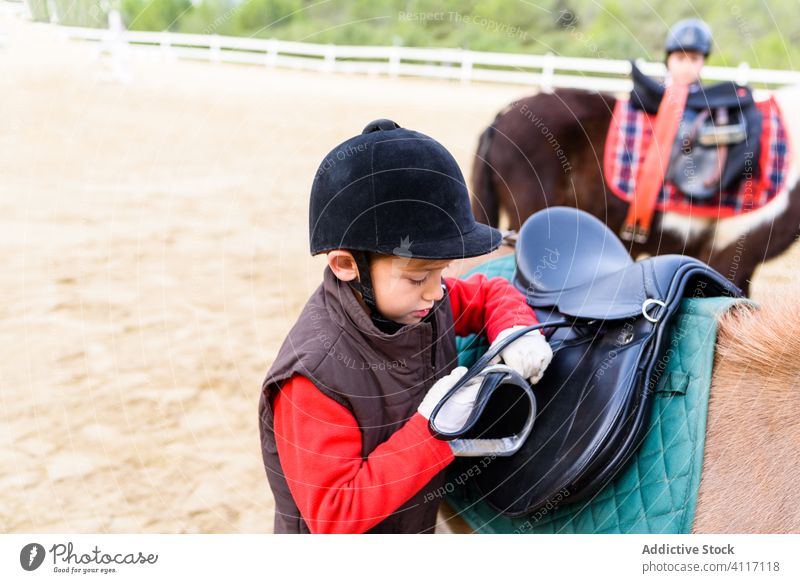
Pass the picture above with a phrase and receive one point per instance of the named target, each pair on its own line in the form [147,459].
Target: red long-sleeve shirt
[319,441]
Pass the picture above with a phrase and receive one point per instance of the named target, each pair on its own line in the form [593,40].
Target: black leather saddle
[593,402]
[647,94]
[720,131]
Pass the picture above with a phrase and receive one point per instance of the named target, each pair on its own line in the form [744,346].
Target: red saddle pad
[629,135]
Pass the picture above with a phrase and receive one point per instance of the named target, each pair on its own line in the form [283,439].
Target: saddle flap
[585,400]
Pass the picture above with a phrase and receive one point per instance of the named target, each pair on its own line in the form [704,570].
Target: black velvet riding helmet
[395,191]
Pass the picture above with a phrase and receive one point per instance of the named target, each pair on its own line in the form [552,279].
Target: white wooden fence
[544,71]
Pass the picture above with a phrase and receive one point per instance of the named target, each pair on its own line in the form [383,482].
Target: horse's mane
[761,345]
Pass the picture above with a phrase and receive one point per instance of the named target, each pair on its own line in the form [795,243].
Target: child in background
[687,47]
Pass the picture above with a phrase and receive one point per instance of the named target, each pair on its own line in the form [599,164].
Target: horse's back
[558,111]
[548,148]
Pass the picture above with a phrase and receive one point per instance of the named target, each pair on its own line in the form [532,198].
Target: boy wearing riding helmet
[687,47]
[344,407]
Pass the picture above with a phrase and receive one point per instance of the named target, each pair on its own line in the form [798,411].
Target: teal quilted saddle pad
[657,491]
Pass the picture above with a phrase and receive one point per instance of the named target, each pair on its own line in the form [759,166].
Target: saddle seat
[594,398]
[593,275]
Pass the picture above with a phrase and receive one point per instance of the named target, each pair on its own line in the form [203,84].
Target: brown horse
[547,150]
[750,468]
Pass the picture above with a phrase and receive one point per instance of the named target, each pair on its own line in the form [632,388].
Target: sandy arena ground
[154,254]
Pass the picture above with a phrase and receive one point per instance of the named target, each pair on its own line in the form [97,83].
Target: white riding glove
[529,355]
[455,412]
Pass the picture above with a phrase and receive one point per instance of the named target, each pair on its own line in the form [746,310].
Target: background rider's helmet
[691,34]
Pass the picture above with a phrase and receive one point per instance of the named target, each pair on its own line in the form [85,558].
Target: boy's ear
[343,264]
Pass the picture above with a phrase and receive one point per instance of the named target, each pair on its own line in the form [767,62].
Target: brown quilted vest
[380,378]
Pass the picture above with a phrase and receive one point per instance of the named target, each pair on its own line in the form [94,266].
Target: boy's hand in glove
[455,412]
[529,355]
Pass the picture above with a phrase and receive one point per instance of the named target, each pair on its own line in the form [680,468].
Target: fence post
[394,62]
[547,72]
[213,46]
[166,47]
[743,73]
[272,52]
[330,58]
[53,9]
[466,67]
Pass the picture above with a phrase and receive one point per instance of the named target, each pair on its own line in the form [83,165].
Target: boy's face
[405,289]
[685,66]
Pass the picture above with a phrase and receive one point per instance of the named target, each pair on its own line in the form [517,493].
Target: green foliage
[39,10]
[78,12]
[154,14]
[258,16]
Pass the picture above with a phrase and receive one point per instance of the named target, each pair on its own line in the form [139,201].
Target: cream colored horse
[750,467]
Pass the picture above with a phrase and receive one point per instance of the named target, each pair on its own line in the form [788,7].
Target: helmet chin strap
[363,285]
